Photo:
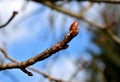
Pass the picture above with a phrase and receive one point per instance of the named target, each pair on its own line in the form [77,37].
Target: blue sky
[34,34]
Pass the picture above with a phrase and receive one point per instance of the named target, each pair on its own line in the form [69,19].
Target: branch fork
[45,54]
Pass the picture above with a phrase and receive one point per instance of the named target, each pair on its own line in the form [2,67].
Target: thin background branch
[13,15]
[102,28]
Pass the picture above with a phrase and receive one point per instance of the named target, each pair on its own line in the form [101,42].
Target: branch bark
[47,53]
[31,68]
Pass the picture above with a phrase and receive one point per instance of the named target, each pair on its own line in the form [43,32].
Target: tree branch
[113,36]
[13,15]
[15,61]
[31,68]
[103,1]
[69,13]
[47,53]
[46,75]
[95,1]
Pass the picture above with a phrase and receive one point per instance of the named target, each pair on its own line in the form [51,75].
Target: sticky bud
[74,28]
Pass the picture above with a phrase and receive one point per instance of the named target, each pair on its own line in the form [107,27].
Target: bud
[74,28]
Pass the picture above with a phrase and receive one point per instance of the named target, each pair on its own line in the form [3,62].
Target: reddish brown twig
[31,68]
[15,61]
[47,53]
[13,15]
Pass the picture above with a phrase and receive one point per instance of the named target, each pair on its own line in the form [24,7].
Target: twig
[31,68]
[13,15]
[46,75]
[103,1]
[114,37]
[86,9]
[47,53]
[79,16]
[79,68]
[13,60]
[96,1]
[60,9]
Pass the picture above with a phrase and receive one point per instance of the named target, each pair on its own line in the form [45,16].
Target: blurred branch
[13,15]
[31,68]
[60,9]
[13,60]
[79,68]
[102,28]
[97,1]
[103,1]
[46,75]
[114,37]
[45,54]
[86,9]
